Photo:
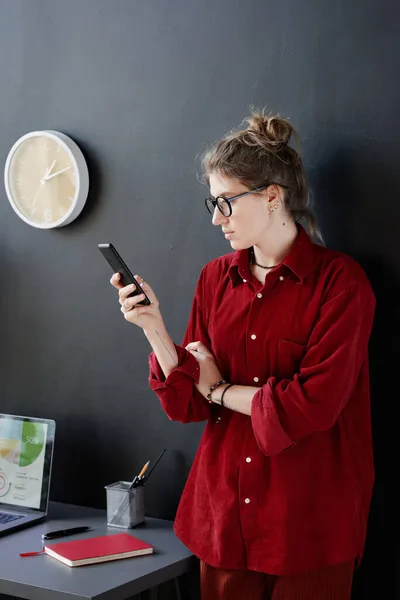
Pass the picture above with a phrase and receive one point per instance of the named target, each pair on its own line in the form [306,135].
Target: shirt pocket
[290,355]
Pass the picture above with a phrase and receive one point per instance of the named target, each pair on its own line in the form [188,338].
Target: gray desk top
[45,578]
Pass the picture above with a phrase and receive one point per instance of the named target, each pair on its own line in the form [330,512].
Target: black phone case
[118,266]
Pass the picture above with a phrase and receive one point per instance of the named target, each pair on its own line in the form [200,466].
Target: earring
[277,204]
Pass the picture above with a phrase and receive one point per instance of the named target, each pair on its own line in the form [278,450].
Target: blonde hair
[259,153]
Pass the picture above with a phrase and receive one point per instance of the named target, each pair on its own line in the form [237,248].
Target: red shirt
[289,488]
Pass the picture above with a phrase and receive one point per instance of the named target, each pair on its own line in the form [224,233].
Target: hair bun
[273,128]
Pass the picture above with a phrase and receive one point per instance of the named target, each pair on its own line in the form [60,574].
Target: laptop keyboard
[8,518]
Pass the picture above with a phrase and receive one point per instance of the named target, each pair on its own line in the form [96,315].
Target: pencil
[143,471]
[155,464]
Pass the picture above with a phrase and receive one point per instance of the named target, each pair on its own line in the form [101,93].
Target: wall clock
[46,179]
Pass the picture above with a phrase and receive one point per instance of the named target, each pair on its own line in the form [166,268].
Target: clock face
[42,180]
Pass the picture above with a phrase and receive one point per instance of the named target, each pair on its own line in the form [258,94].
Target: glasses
[225,204]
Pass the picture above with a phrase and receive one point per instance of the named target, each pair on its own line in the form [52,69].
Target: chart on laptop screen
[22,453]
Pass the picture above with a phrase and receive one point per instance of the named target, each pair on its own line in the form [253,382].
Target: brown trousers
[332,583]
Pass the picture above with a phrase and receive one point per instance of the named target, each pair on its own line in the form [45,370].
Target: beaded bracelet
[214,387]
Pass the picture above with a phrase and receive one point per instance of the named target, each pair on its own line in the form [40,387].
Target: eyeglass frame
[214,201]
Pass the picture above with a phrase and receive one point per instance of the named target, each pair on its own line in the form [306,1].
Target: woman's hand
[147,317]
[209,371]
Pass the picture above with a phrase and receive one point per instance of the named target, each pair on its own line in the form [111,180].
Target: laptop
[26,454]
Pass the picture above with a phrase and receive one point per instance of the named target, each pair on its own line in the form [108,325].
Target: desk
[45,578]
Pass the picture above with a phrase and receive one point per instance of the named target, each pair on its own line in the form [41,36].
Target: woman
[275,358]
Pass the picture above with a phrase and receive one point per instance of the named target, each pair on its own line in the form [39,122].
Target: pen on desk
[145,478]
[52,535]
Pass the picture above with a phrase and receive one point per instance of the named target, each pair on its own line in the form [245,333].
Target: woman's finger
[147,289]
[193,346]
[198,355]
[133,315]
[199,347]
[125,292]
[130,303]
[115,281]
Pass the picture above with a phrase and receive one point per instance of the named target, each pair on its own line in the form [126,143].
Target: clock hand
[35,198]
[48,170]
[47,177]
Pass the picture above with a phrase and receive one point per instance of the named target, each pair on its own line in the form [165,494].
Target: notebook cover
[99,547]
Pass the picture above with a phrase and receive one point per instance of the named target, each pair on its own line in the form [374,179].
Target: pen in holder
[125,504]
[125,500]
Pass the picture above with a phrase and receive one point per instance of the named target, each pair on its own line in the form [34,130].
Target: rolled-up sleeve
[287,410]
[177,393]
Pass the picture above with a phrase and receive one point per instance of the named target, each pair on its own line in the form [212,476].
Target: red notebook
[98,549]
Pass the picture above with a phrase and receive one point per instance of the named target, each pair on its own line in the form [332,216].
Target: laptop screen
[26,448]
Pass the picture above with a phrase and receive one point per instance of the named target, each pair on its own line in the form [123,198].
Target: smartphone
[118,266]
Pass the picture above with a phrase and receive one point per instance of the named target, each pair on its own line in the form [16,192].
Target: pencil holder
[125,507]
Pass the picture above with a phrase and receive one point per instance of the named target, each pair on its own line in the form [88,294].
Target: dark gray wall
[143,87]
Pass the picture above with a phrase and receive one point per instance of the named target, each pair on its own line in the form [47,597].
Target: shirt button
[247,500]
[255,379]
[248,459]
[259,295]
[253,336]
[281,278]
[244,280]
